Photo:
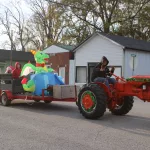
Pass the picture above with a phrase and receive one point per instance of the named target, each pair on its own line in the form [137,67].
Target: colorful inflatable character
[39,77]
[41,58]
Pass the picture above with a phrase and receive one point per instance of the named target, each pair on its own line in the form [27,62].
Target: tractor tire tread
[127,106]
[101,101]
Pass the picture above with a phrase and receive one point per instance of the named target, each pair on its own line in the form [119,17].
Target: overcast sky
[25,9]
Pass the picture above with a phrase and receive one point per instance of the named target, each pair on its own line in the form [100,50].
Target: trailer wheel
[92,101]
[4,99]
[47,102]
[37,101]
[125,107]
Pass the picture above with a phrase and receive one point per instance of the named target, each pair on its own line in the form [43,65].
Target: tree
[76,32]
[15,27]
[49,21]
[38,40]
[138,27]
[104,14]
[5,22]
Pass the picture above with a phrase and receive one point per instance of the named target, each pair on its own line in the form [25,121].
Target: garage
[127,55]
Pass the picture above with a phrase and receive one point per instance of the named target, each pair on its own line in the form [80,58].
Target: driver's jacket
[97,73]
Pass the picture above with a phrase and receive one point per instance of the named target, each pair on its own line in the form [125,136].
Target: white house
[129,56]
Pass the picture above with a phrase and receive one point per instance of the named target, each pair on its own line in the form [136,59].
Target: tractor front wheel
[125,107]
[92,101]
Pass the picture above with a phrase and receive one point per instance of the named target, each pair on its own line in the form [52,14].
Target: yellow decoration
[33,52]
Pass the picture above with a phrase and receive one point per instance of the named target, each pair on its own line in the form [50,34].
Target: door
[62,73]
[118,70]
[90,70]
[71,72]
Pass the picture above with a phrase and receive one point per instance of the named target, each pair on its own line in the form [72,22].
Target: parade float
[36,82]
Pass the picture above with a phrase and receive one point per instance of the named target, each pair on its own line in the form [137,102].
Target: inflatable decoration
[39,77]
[9,69]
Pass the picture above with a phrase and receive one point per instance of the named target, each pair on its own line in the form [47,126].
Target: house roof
[16,56]
[67,47]
[59,48]
[126,42]
[55,49]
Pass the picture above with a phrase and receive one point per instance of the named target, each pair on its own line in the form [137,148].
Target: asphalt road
[59,126]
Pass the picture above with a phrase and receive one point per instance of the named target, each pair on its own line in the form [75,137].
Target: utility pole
[133,56]
[11,48]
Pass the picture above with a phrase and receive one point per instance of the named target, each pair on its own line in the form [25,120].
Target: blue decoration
[43,80]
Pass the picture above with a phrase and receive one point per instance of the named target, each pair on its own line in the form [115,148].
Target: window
[62,72]
[118,71]
[81,74]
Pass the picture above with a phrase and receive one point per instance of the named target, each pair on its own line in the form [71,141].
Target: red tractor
[94,98]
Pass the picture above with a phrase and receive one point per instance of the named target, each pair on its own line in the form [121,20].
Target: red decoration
[24,80]
[40,65]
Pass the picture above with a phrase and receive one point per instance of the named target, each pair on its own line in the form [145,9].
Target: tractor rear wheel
[92,101]
[125,107]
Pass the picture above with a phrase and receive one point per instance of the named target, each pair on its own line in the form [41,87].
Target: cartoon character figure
[39,72]
[41,58]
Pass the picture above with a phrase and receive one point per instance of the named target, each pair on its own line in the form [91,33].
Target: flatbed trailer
[11,89]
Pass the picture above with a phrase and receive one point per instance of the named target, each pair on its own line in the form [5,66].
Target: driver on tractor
[101,73]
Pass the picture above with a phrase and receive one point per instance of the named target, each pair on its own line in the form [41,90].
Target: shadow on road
[133,124]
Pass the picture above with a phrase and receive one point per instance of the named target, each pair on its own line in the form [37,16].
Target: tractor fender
[103,86]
